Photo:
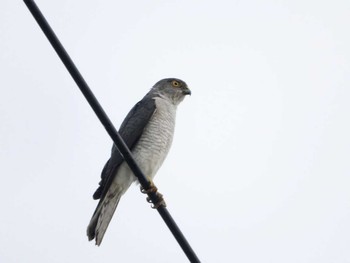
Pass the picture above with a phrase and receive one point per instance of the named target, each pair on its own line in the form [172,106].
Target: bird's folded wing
[131,131]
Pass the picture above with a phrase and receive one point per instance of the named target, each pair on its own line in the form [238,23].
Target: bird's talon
[160,202]
[157,205]
[151,189]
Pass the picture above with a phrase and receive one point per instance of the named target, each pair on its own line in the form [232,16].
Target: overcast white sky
[259,168]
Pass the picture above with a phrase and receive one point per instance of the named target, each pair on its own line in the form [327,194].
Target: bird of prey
[148,131]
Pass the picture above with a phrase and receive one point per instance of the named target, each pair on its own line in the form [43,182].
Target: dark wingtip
[90,233]
[97,194]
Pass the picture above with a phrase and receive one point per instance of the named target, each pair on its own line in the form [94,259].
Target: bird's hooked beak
[186,91]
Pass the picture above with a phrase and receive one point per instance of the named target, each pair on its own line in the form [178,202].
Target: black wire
[124,150]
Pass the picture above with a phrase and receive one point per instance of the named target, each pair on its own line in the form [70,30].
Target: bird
[148,131]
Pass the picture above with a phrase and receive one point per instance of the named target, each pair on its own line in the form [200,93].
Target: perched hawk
[148,131]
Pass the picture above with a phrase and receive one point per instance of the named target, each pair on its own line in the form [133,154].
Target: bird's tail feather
[102,216]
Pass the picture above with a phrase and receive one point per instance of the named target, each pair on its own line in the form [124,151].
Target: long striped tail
[102,216]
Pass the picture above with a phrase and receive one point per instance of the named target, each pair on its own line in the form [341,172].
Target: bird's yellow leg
[153,189]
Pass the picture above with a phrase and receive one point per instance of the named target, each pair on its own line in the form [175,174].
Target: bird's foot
[159,203]
[153,189]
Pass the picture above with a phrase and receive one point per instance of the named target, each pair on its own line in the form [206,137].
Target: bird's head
[172,89]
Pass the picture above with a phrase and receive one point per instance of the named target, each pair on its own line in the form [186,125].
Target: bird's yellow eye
[175,83]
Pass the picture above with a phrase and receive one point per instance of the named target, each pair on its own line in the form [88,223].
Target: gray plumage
[148,131]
